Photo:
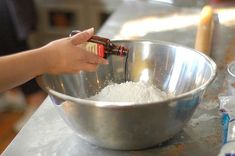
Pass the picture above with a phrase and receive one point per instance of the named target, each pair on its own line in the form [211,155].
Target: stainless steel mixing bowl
[182,72]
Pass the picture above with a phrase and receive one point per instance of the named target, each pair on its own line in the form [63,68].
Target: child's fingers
[82,36]
[92,58]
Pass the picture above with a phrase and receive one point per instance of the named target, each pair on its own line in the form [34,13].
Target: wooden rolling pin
[205,30]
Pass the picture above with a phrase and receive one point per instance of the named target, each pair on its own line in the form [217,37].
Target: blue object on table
[225,123]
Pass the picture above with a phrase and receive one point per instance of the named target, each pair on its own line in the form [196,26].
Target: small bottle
[102,47]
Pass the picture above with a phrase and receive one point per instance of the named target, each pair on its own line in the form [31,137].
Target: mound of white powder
[130,92]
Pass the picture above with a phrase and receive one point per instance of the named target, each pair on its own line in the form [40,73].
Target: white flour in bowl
[137,92]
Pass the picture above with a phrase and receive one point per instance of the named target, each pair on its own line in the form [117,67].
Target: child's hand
[65,56]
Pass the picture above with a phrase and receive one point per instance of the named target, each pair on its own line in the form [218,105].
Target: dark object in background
[18,20]
[60,19]
[23,15]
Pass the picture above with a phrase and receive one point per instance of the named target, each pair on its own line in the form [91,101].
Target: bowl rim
[229,70]
[107,104]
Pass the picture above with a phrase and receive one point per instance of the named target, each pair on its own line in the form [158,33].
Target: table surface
[47,134]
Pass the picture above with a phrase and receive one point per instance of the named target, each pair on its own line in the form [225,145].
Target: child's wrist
[45,57]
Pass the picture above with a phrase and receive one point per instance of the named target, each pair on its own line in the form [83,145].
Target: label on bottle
[97,49]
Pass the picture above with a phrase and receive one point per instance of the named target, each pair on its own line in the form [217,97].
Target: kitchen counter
[47,134]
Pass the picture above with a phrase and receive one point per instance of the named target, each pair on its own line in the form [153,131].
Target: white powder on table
[137,92]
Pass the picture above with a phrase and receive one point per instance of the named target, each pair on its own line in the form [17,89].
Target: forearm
[58,57]
[18,68]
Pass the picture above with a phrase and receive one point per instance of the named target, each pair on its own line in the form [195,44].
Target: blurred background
[28,24]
